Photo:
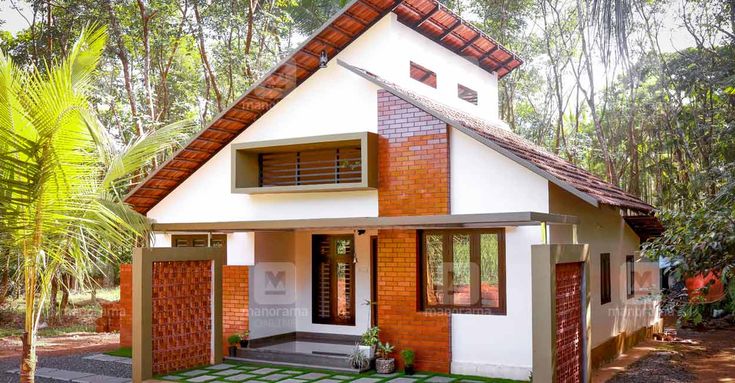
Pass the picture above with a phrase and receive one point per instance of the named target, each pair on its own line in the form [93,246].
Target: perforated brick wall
[413,155]
[182,315]
[235,293]
[126,305]
[400,321]
[569,322]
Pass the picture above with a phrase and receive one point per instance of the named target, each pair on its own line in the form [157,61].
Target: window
[464,270]
[198,240]
[605,290]
[467,94]
[346,161]
[630,272]
[423,75]
[333,300]
[310,167]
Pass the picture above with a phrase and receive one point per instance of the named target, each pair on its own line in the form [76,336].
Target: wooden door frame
[333,281]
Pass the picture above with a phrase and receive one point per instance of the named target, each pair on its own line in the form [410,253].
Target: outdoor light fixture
[360,231]
[323,59]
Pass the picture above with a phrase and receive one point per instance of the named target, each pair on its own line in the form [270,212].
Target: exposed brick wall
[235,292]
[126,305]
[182,312]
[413,155]
[427,333]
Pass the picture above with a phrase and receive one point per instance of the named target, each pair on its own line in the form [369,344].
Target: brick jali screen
[182,315]
[569,322]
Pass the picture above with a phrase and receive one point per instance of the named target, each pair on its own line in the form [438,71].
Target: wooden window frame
[193,237]
[476,308]
[630,276]
[333,320]
[462,88]
[605,280]
[426,79]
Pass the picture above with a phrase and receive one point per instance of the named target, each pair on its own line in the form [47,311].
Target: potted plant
[384,364]
[358,360]
[244,340]
[408,356]
[233,340]
[370,339]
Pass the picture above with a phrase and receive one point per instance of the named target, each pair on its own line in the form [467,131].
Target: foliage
[408,356]
[370,336]
[384,350]
[357,358]
[234,339]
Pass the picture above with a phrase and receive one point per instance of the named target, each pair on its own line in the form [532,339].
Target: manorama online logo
[272,283]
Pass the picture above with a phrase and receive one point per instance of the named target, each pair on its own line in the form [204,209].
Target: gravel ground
[69,362]
[656,367]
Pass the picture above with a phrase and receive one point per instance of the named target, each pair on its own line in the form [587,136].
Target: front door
[333,278]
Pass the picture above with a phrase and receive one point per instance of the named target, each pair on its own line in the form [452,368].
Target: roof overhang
[646,226]
[407,222]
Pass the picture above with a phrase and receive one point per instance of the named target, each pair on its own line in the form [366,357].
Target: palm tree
[62,176]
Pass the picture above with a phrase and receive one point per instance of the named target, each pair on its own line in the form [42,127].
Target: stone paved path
[72,376]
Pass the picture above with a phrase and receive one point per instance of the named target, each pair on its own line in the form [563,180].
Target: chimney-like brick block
[413,155]
[235,293]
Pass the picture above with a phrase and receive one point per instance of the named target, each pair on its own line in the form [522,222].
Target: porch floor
[231,371]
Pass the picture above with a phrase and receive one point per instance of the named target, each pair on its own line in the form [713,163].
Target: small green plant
[384,350]
[370,337]
[408,356]
[357,359]
[234,339]
[691,314]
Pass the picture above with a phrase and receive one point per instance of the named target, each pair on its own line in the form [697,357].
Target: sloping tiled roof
[427,17]
[557,170]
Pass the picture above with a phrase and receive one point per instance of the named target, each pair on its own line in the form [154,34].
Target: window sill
[302,188]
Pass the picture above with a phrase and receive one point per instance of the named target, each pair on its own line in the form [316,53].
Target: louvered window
[333,280]
[311,167]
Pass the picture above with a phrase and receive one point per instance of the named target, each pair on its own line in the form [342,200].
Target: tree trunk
[145,18]
[122,55]
[52,297]
[64,294]
[205,59]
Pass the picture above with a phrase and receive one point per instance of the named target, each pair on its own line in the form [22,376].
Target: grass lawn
[251,372]
[80,315]
[125,352]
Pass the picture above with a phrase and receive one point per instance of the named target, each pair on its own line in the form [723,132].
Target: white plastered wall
[485,181]
[501,345]
[604,229]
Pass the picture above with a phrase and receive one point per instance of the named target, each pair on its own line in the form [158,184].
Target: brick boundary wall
[235,296]
[413,158]
[126,305]
[400,321]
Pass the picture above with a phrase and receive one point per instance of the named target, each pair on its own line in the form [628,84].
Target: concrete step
[321,360]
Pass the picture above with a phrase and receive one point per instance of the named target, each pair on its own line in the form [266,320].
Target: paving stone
[471,381]
[292,372]
[101,379]
[69,375]
[343,377]
[402,380]
[227,372]
[45,372]
[328,381]
[439,379]
[366,380]
[172,377]
[202,378]
[274,377]
[194,373]
[246,368]
[291,380]
[312,376]
[387,375]
[239,377]
[221,366]
[263,371]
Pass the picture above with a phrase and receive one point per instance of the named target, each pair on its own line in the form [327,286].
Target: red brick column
[235,292]
[413,156]
[401,321]
[126,305]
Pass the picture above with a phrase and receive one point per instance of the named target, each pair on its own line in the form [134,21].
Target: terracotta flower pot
[385,366]
[696,288]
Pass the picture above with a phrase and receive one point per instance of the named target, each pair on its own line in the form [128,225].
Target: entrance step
[320,360]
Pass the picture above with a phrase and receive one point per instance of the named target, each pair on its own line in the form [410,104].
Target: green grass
[125,352]
[48,331]
[295,372]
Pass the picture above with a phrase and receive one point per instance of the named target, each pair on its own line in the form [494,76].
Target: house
[371,166]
